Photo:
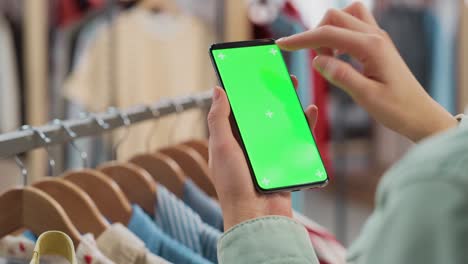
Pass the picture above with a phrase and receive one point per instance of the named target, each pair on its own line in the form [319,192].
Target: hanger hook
[179,108]
[127,123]
[100,121]
[156,114]
[199,102]
[23,169]
[202,106]
[73,136]
[47,141]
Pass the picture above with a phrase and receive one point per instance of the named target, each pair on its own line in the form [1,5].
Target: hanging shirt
[18,247]
[70,11]
[21,248]
[71,44]
[206,10]
[143,57]
[208,209]
[184,225]
[443,21]
[409,31]
[88,252]
[160,243]
[10,116]
[120,245]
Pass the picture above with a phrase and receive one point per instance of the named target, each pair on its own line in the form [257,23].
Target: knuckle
[372,94]
[359,6]
[339,72]
[221,149]
[211,118]
[376,41]
[325,30]
[331,15]
[384,34]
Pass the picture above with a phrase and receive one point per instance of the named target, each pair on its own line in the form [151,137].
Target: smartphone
[267,116]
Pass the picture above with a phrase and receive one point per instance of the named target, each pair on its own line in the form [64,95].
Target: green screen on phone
[272,125]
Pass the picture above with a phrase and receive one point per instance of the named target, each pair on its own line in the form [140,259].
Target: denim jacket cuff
[272,239]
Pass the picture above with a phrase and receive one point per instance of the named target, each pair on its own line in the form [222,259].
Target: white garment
[88,252]
[157,56]
[9,89]
[17,247]
[123,247]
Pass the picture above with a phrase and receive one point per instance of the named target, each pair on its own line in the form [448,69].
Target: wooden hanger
[105,193]
[135,182]
[194,166]
[164,170]
[77,204]
[35,210]
[169,6]
[200,146]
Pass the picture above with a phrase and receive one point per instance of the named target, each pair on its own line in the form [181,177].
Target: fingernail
[325,65]
[216,93]
[281,39]
[319,63]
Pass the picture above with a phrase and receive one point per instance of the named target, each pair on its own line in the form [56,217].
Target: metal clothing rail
[14,143]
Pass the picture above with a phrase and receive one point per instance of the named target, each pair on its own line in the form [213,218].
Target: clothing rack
[14,143]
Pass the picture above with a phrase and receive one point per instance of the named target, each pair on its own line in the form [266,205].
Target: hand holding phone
[274,134]
[239,199]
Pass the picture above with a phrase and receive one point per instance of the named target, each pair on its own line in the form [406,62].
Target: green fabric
[421,215]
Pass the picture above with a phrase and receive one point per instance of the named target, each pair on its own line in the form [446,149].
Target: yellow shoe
[54,243]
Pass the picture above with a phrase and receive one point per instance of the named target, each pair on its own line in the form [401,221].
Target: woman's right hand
[386,88]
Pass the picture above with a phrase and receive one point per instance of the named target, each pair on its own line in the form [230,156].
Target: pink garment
[327,248]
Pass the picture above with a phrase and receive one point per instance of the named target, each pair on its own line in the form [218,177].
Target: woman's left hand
[231,175]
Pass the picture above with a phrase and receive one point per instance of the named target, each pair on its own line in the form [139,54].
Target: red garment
[71,11]
[291,11]
[322,132]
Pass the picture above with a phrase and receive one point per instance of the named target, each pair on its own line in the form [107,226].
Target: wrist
[436,127]
[235,214]
[429,119]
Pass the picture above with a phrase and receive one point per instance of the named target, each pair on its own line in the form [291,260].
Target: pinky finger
[295,81]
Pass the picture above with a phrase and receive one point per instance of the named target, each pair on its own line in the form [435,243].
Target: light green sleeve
[271,240]
[423,223]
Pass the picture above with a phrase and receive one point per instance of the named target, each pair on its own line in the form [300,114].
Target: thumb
[343,75]
[218,118]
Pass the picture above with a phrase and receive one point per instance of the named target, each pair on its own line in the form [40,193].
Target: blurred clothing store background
[66,59]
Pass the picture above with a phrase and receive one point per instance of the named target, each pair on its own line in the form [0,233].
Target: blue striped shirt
[183,224]
[160,243]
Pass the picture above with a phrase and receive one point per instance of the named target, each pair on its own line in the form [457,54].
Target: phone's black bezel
[235,128]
